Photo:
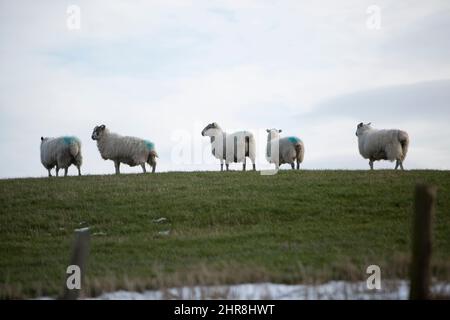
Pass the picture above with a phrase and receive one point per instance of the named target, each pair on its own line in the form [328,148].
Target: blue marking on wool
[69,140]
[149,145]
[294,139]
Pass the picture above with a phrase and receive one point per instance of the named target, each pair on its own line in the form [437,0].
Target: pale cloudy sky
[162,69]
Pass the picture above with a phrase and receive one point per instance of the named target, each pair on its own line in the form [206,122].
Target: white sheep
[234,147]
[61,152]
[377,144]
[284,150]
[123,149]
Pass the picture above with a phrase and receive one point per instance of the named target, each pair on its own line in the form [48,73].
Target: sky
[164,69]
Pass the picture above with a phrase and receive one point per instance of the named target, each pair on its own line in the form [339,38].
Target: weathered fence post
[424,205]
[78,259]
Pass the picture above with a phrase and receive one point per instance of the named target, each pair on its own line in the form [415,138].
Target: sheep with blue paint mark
[375,144]
[231,147]
[124,149]
[284,150]
[61,153]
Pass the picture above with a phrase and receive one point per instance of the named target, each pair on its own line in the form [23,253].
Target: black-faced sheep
[123,149]
[233,147]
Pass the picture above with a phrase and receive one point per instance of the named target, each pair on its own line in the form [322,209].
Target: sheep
[377,144]
[123,149]
[284,150]
[234,147]
[61,152]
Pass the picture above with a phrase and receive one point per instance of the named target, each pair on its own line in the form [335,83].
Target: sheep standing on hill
[284,150]
[61,152]
[377,144]
[234,147]
[121,149]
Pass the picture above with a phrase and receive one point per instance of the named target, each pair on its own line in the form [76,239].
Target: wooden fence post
[424,206]
[79,256]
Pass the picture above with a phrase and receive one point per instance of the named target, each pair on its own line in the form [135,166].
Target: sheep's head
[211,129]
[43,139]
[273,133]
[362,127]
[98,132]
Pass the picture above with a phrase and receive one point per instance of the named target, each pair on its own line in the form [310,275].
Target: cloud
[427,101]
[150,68]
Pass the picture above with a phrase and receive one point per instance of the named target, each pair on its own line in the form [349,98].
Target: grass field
[306,226]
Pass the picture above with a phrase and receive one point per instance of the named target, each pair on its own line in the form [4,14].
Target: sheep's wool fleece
[287,151]
[61,151]
[128,150]
[232,147]
[382,144]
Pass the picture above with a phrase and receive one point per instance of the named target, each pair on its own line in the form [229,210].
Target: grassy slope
[225,227]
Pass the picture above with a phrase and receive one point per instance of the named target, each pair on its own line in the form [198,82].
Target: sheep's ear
[102,127]
[369,123]
[267,130]
[214,124]
[42,138]
[279,131]
[360,125]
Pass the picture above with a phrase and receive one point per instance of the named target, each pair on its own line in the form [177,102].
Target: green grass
[231,227]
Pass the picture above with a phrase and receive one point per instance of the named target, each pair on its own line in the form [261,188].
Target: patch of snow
[334,290]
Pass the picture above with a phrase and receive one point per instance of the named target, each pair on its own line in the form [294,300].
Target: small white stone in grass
[82,229]
[159,220]
[82,222]
[164,233]
[99,234]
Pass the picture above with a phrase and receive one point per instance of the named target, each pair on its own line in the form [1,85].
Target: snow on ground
[334,290]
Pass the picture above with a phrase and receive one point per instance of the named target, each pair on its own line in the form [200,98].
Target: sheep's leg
[79,170]
[49,172]
[292,166]
[65,171]
[253,163]
[243,166]
[143,168]
[401,165]
[371,164]
[298,165]
[227,166]
[117,166]
[397,164]
[152,162]
[57,171]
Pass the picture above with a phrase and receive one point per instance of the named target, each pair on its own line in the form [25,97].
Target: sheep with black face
[233,147]
[124,149]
